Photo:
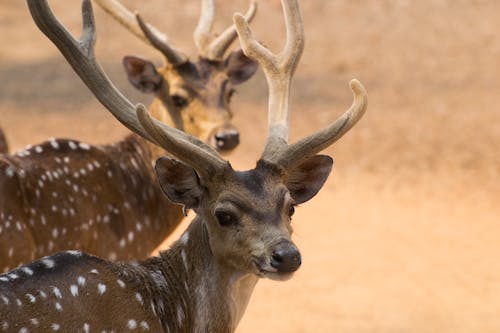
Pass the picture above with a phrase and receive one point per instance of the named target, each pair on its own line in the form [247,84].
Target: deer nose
[227,139]
[286,258]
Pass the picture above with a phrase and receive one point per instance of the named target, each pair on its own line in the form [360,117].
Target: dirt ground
[405,235]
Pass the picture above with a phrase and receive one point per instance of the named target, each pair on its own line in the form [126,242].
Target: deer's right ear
[142,74]
[179,182]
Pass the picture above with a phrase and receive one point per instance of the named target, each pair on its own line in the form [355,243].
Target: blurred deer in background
[105,200]
[242,231]
[193,96]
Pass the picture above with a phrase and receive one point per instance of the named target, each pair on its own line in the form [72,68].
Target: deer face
[248,214]
[199,94]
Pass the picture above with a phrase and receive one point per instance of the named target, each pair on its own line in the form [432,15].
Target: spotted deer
[192,95]
[242,231]
[105,200]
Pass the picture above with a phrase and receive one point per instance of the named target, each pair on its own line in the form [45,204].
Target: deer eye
[226,219]
[179,101]
[291,210]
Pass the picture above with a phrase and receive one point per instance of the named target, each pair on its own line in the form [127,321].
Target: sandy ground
[405,235]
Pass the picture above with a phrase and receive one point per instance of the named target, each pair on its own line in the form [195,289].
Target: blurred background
[405,235]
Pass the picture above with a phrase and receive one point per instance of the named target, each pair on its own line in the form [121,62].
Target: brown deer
[193,96]
[242,231]
[105,200]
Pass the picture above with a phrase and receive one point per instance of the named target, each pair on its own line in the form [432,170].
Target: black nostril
[286,258]
[227,140]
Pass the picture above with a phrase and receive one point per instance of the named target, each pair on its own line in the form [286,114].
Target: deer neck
[209,296]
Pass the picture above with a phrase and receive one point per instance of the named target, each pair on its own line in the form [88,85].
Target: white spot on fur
[55,327]
[144,325]
[86,328]
[56,292]
[31,298]
[101,288]
[72,145]
[138,297]
[49,263]
[120,283]
[132,324]
[27,270]
[81,281]
[74,290]
[58,307]
[84,146]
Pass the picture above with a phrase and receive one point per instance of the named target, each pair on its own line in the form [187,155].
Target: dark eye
[179,101]
[226,219]
[291,210]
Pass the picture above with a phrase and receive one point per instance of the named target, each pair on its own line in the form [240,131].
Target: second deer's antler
[209,46]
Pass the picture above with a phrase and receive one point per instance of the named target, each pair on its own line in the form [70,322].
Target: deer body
[182,290]
[68,194]
[105,200]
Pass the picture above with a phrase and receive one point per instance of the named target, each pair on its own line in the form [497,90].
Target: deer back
[65,194]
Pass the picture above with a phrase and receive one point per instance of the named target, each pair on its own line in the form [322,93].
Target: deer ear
[179,182]
[305,180]
[142,74]
[239,67]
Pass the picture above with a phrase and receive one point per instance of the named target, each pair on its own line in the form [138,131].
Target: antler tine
[144,31]
[314,143]
[201,33]
[279,71]
[173,56]
[219,45]
[80,55]
[208,45]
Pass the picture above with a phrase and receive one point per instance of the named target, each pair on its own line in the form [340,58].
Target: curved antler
[208,45]
[144,31]
[279,70]
[80,55]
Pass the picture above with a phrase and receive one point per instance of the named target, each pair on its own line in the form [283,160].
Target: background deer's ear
[179,182]
[305,180]
[239,67]
[142,74]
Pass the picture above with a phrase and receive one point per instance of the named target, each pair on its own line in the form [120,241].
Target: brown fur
[65,194]
[202,284]
[120,217]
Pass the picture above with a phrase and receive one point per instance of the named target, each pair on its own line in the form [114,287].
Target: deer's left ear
[179,182]
[305,180]
[239,67]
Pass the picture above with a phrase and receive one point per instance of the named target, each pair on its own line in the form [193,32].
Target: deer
[242,230]
[65,193]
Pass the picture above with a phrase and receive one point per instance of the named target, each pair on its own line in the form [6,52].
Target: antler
[279,70]
[208,45]
[80,55]
[145,31]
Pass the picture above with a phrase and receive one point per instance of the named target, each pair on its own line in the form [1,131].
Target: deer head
[192,95]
